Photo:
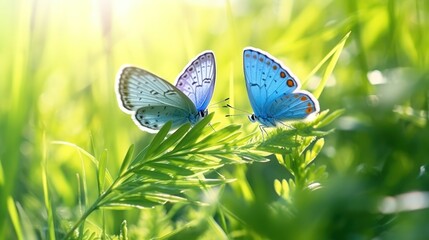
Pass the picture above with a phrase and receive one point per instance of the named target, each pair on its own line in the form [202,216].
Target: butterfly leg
[288,126]
[262,129]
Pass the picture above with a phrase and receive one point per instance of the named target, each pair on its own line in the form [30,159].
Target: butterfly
[274,92]
[152,101]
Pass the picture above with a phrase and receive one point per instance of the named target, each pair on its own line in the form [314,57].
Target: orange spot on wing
[304,98]
[275,67]
[282,74]
[261,59]
[290,83]
[309,104]
[309,110]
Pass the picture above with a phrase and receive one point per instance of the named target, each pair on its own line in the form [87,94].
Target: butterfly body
[152,101]
[274,92]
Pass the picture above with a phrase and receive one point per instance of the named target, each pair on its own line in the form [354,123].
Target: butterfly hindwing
[197,80]
[292,106]
[152,118]
[266,79]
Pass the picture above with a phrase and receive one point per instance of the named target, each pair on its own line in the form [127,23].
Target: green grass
[64,142]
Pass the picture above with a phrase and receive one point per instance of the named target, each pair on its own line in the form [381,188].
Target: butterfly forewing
[266,79]
[140,88]
[197,80]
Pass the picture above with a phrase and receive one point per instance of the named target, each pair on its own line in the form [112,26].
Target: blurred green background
[58,61]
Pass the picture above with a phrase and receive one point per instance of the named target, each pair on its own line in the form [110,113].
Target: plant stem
[93,207]
[82,218]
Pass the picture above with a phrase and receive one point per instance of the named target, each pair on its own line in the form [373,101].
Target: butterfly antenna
[217,103]
[212,127]
[235,115]
[237,109]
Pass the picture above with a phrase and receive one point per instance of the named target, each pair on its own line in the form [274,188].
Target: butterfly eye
[252,118]
[204,113]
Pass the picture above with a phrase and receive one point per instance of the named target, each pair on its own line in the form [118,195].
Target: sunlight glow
[405,202]
[376,77]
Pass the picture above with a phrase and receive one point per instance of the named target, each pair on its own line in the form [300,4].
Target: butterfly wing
[152,118]
[266,79]
[138,90]
[197,80]
[292,106]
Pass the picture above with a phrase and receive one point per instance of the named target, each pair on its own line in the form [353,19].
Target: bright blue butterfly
[273,91]
[153,102]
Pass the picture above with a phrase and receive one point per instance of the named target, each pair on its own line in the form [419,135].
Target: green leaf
[312,154]
[153,174]
[174,138]
[156,141]
[193,134]
[140,203]
[102,171]
[328,119]
[219,135]
[123,235]
[174,170]
[127,160]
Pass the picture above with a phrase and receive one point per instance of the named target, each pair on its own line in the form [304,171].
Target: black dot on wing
[191,69]
[196,62]
[155,125]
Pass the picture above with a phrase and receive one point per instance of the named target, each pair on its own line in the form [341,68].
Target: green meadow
[74,166]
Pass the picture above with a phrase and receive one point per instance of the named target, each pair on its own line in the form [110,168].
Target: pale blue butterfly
[274,92]
[153,102]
